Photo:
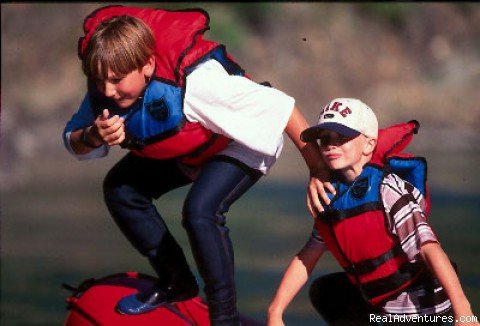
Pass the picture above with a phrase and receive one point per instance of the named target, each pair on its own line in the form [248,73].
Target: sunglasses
[338,140]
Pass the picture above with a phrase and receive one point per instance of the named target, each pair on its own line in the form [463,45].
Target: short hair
[122,44]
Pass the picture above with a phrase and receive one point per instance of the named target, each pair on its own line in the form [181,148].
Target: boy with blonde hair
[376,228]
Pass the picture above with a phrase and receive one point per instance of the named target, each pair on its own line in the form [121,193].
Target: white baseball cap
[347,116]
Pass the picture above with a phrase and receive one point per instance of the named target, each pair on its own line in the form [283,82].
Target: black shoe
[141,303]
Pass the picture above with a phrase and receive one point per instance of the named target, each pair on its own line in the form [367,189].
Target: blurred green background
[406,60]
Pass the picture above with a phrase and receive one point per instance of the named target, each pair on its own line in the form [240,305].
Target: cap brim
[311,134]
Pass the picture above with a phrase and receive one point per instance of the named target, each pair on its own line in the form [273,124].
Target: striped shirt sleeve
[404,207]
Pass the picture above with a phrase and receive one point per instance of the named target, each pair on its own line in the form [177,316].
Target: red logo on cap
[336,107]
[345,112]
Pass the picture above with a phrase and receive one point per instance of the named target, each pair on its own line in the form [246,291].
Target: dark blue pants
[129,190]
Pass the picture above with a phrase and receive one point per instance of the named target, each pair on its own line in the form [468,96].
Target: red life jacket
[354,225]
[179,48]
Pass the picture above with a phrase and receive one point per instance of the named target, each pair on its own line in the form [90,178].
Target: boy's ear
[370,146]
[149,67]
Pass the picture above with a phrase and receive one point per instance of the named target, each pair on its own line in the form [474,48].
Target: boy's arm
[319,172]
[73,134]
[104,130]
[437,261]
[293,280]
[87,136]
[85,140]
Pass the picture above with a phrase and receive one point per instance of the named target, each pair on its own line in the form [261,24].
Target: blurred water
[62,233]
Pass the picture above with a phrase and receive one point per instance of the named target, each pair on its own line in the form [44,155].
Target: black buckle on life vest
[131,142]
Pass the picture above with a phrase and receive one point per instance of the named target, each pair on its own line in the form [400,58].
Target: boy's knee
[327,290]
[195,215]
[191,219]
[117,190]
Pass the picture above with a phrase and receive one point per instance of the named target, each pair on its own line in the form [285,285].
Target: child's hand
[110,130]
[318,185]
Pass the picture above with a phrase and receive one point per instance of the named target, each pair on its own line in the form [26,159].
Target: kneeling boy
[376,228]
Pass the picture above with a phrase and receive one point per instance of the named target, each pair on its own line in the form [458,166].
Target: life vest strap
[335,215]
[368,266]
[132,142]
[405,273]
[430,297]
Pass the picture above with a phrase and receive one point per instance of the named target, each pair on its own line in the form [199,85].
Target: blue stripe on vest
[161,111]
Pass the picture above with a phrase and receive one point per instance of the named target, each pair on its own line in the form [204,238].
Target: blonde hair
[121,44]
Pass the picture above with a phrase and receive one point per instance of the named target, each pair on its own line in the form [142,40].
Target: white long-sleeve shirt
[253,115]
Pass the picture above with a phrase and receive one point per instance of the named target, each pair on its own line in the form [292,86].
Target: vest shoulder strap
[411,169]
